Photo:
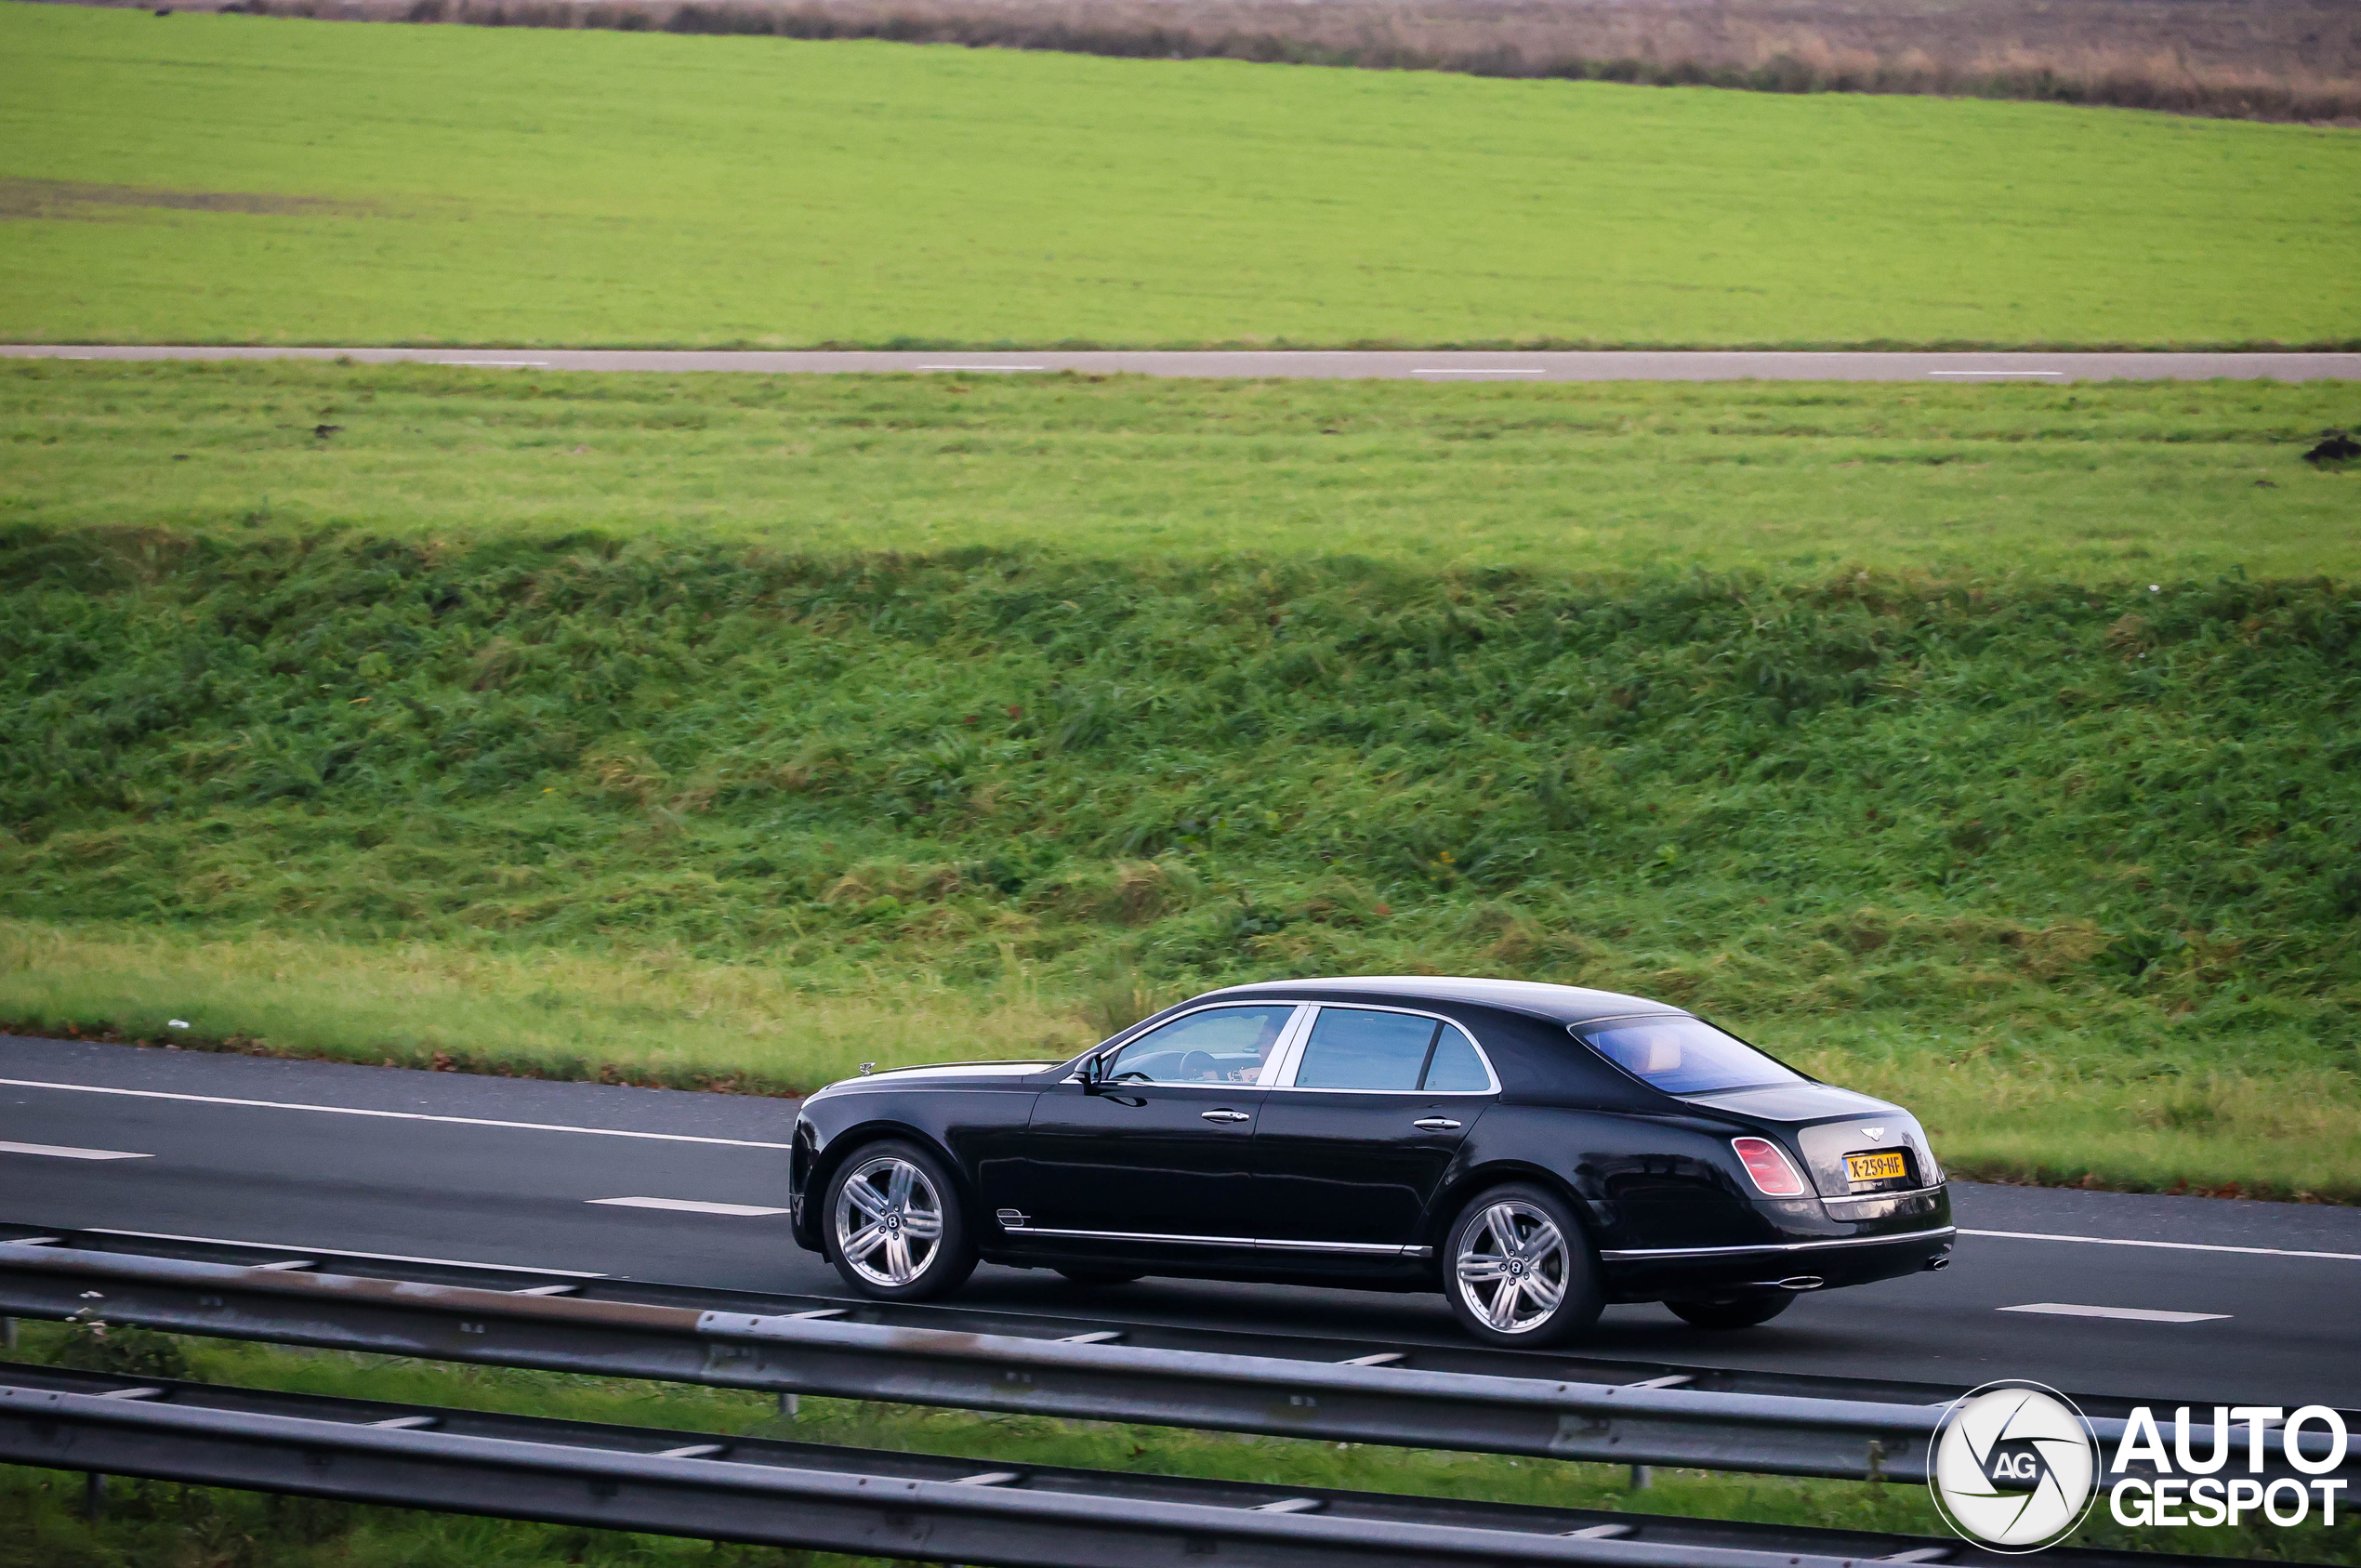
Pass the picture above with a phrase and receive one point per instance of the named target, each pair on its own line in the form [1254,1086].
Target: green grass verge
[249,179]
[2094,483]
[2067,865]
[156,1522]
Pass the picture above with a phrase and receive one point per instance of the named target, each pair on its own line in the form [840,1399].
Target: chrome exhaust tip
[1940,1261]
[1801,1282]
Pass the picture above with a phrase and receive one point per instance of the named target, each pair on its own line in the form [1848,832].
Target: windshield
[1685,1055]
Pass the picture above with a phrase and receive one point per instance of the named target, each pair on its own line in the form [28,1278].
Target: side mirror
[1094,1071]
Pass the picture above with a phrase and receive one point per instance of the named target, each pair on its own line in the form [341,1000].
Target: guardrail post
[1641,1478]
[8,1334]
[94,1497]
[789,1405]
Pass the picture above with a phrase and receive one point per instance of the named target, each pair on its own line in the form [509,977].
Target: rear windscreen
[1684,1055]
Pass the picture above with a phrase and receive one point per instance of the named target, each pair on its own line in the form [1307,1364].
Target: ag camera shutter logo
[2013,1467]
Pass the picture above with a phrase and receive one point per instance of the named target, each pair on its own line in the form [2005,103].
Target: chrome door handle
[1225,1116]
[1435,1123]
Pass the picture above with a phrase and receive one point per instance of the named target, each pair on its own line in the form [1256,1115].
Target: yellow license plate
[1874,1168]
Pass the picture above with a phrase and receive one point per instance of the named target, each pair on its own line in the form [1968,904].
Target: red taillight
[1773,1176]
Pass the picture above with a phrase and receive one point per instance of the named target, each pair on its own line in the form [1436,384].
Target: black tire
[1093,1278]
[1563,1266]
[900,1261]
[1738,1312]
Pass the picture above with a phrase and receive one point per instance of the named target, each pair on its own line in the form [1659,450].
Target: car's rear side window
[1684,1055]
[1361,1048]
[1366,1048]
[1456,1068]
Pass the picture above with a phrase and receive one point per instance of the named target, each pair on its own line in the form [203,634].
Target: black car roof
[1563,1003]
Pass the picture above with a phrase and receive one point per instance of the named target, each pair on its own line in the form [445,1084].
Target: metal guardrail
[1107,1314]
[818,1495]
[1113,1382]
[1630,1424]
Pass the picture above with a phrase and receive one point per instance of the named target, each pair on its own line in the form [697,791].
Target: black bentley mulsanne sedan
[1533,1151]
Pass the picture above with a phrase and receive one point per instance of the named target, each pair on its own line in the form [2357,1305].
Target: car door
[1357,1133]
[1151,1162]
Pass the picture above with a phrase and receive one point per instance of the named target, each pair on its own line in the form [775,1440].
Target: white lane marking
[2133,1314]
[2172,1246]
[344,1252]
[1503,370]
[969,367]
[390,1115]
[496,364]
[59,1152]
[1996,373]
[689,1205]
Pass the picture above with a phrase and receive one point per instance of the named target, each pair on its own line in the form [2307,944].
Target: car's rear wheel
[1736,1312]
[1518,1270]
[1095,1277]
[895,1230]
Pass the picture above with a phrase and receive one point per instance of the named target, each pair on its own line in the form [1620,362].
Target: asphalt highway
[1380,364]
[2174,1299]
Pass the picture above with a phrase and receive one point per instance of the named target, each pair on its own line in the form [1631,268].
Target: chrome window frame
[1282,1080]
[1279,1048]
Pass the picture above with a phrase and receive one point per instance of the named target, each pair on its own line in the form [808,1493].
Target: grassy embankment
[241,179]
[2065,861]
[153,1524]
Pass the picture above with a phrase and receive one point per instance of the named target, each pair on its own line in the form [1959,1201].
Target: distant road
[1387,364]
[2193,1300]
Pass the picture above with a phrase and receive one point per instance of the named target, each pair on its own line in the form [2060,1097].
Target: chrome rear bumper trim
[1882,1197]
[1774,1249]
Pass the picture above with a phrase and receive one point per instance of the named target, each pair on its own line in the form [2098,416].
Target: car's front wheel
[1518,1270]
[895,1230]
[1737,1312]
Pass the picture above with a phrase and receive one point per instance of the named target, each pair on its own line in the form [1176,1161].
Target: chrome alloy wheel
[1512,1265]
[888,1220]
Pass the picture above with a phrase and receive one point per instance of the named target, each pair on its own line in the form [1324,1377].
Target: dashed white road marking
[691,1205]
[495,364]
[1494,370]
[345,1252]
[2132,1315]
[969,367]
[388,1115]
[1975,372]
[2172,1246]
[59,1152]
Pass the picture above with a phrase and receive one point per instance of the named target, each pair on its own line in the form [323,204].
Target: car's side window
[1218,1045]
[1360,1048]
[1369,1050]
[1456,1068]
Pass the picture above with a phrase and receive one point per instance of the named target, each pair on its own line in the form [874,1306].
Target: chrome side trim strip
[1773,1249]
[1257,1243]
[1127,1236]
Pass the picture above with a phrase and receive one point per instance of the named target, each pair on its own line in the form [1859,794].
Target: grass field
[238,178]
[153,1524]
[2090,483]
[411,766]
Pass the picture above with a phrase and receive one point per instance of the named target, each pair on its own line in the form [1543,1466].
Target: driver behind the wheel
[1214,1046]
